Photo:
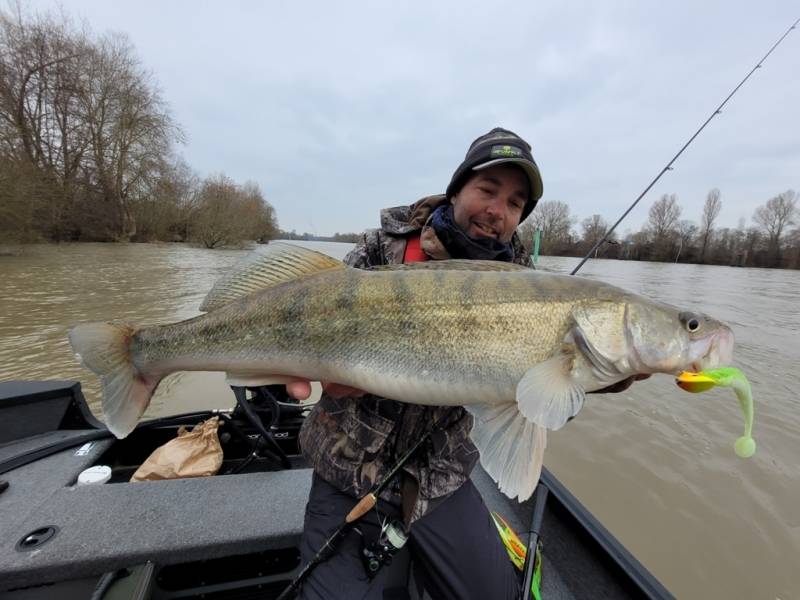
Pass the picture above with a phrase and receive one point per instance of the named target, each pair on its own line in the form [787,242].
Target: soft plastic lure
[730,377]
[514,546]
[517,552]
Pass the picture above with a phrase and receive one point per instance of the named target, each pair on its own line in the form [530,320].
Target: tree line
[348,238]
[87,147]
[769,241]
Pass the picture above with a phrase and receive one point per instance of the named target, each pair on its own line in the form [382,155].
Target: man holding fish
[352,443]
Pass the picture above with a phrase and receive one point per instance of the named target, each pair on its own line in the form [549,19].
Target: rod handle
[363,507]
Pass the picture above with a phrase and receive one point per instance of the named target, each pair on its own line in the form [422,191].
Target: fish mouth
[718,352]
[485,230]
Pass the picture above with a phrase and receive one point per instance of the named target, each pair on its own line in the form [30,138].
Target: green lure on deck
[730,377]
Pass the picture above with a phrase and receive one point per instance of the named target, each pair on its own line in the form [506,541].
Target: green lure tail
[730,377]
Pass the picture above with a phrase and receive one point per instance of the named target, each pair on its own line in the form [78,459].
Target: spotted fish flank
[519,353]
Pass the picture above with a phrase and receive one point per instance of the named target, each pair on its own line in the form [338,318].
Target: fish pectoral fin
[547,394]
[249,380]
[511,447]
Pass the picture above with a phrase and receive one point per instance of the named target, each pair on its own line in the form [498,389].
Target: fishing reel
[380,552]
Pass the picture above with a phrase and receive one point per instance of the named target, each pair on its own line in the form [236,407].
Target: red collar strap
[414,252]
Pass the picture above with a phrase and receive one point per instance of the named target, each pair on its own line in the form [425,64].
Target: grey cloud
[338,109]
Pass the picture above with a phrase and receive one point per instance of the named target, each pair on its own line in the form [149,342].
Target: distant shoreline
[11,249]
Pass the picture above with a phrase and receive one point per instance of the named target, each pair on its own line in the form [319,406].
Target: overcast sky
[337,109]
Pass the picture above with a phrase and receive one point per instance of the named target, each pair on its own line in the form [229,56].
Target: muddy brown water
[654,464]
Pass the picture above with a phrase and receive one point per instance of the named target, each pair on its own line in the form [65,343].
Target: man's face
[490,204]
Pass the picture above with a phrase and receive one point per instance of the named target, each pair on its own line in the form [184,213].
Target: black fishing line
[686,145]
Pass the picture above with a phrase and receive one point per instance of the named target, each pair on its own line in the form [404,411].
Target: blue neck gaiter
[460,245]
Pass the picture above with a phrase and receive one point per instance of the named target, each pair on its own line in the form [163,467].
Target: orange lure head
[695,382]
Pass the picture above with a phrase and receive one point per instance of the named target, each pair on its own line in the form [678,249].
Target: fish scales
[436,327]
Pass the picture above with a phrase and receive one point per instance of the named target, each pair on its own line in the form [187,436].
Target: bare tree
[664,215]
[685,231]
[593,229]
[662,220]
[165,204]
[40,62]
[555,221]
[710,213]
[226,214]
[18,186]
[264,224]
[130,127]
[83,120]
[792,241]
[774,217]
[526,233]
[211,222]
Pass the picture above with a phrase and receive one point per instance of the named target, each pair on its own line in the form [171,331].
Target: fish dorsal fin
[453,265]
[261,269]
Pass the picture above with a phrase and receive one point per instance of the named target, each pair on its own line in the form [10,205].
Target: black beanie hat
[494,148]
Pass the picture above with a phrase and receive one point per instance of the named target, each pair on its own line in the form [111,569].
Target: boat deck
[193,522]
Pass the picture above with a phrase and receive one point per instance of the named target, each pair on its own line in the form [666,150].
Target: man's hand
[301,390]
[623,385]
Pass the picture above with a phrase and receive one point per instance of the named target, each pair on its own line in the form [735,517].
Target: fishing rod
[668,167]
[362,507]
[532,556]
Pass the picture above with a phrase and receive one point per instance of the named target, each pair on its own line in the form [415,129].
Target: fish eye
[691,321]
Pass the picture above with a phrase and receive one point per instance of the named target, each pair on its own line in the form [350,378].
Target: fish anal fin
[511,447]
[264,268]
[547,393]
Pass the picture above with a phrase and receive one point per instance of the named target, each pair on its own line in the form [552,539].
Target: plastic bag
[195,453]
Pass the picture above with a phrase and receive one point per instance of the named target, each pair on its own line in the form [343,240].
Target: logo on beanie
[505,152]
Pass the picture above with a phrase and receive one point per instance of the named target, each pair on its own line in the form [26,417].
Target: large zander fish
[517,347]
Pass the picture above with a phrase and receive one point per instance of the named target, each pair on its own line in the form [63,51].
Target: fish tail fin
[104,348]
[511,447]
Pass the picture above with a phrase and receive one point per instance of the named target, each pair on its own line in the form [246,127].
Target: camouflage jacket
[351,443]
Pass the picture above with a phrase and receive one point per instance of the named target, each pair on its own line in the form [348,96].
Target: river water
[654,464]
